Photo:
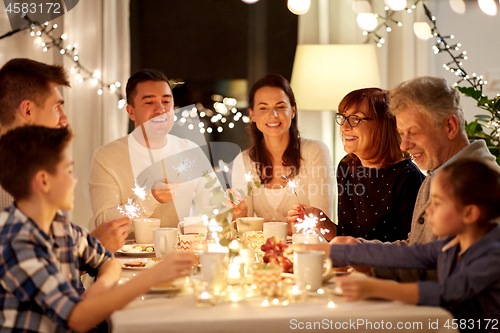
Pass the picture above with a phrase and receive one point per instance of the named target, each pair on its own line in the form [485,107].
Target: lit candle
[233,273]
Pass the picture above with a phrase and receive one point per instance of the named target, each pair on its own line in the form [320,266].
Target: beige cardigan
[317,183]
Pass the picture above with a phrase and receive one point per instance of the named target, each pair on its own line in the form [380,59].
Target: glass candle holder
[204,294]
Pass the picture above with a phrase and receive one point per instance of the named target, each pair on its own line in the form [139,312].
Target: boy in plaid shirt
[42,252]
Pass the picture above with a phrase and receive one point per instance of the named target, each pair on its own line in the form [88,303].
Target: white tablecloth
[178,314]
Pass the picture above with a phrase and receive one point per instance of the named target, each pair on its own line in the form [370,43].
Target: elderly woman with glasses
[377,183]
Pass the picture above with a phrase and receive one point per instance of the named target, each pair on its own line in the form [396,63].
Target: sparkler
[292,185]
[223,167]
[185,165]
[248,177]
[139,191]
[130,209]
[309,225]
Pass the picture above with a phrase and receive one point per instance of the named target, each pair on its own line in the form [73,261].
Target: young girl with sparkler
[465,205]
[291,169]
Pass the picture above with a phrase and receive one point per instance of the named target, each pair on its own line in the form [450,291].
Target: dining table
[177,312]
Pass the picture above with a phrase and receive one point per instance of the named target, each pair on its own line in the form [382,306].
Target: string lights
[224,116]
[80,72]
[369,21]
[451,48]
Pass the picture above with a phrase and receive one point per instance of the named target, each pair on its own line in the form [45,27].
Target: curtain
[101,29]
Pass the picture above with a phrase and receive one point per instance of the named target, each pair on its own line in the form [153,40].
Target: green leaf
[210,183]
[496,106]
[484,117]
[471,92]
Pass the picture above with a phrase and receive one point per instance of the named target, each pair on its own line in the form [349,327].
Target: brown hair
[142,76]
[474,183]
[25,79]
[385,137]
[258,152]
[27,150]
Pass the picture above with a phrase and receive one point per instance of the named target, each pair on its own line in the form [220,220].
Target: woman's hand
[298,212]
[238,204]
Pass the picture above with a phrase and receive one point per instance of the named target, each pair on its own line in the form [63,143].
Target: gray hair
[432,96]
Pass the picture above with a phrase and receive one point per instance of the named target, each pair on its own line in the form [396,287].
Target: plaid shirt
[40,274]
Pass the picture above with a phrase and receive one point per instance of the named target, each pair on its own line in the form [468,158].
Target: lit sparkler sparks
[309,225]
[185,165]
[130,209]
[248,177]
[293,185]
[224,169]
[139,191]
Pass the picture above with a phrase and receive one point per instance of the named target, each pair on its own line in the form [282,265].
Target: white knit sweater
[317,183]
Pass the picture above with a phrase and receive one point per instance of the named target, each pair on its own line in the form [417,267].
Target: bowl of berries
[274,254]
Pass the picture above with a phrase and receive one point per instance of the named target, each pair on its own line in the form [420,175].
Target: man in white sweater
[147,158]
[30,95]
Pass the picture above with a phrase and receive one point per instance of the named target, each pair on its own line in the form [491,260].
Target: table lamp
[323,74]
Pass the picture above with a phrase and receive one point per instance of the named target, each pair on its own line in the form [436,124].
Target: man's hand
[164,192]
[112,234]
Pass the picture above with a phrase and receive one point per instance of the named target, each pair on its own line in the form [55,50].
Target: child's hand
[356,286]
[175,265]
[308,247]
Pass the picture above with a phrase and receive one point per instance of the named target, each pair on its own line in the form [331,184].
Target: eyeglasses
[353,120]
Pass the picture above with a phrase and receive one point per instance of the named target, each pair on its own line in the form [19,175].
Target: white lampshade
[323,74]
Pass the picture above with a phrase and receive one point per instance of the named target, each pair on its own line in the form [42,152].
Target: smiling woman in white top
[277,154]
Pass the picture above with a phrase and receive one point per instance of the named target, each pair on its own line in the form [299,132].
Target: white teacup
[192,226]
[212,267]
[249,224]
[278,229]
[305,239]
[165,240]
[143,229]
[308,269]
